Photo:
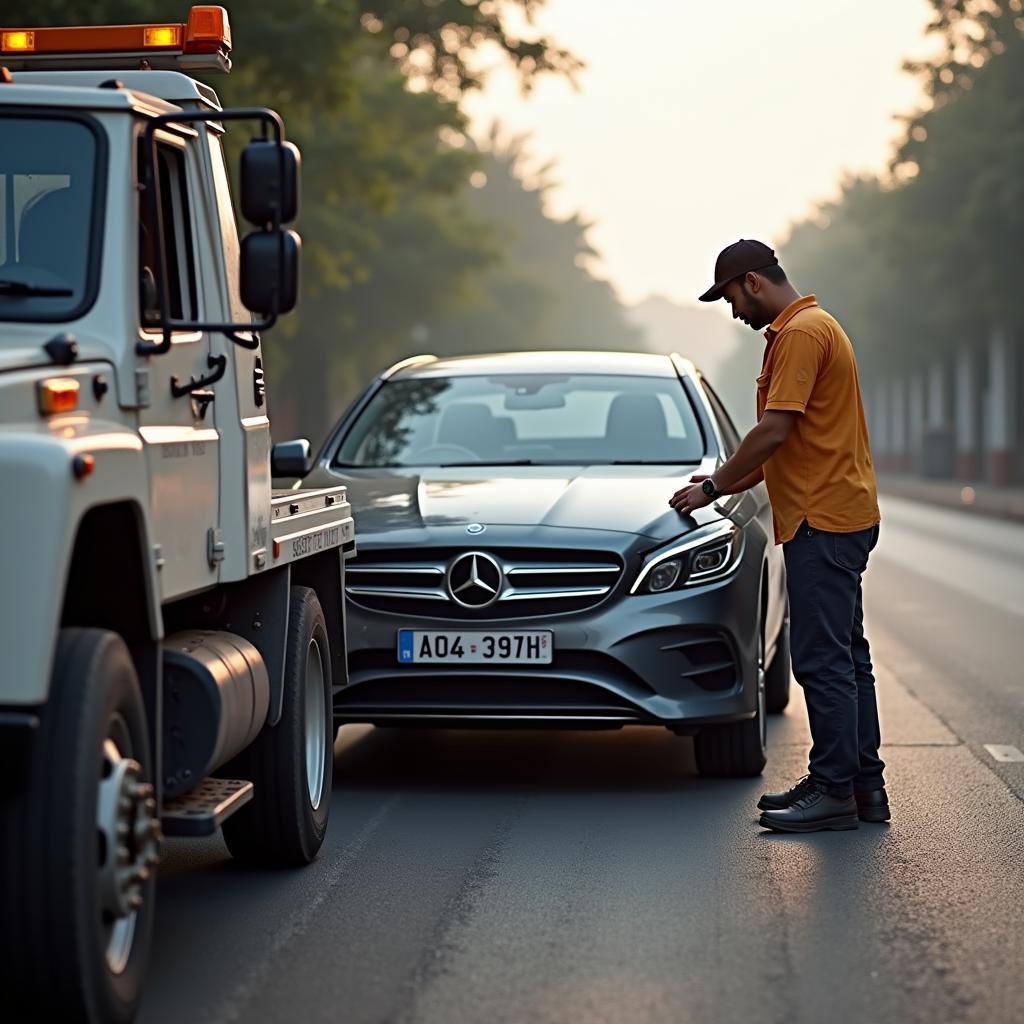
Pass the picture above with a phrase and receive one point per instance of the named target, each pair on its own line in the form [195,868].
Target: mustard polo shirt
[823,471]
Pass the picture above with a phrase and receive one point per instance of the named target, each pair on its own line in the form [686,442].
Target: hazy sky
[701,121]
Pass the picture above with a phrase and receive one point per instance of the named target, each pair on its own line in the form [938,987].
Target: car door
[757,505]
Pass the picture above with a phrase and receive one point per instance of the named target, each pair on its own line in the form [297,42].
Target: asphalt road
[594,877]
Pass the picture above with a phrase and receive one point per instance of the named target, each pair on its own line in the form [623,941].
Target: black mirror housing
[270,271]
[267,198]
[291,458]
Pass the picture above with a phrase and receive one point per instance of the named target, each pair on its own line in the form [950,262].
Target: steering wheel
[455,450]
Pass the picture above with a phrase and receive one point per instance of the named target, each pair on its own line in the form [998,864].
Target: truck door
[179,431]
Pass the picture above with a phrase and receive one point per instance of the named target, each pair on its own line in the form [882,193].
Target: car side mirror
[269,271]
[270,182]
[291,458]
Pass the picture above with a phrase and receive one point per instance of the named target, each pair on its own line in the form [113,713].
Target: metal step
[201,810]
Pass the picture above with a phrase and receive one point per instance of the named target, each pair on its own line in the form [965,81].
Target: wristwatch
[708,487]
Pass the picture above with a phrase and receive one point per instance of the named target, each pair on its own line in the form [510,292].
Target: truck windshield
[48,178]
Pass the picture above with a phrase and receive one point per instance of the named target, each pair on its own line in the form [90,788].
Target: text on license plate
[424,647]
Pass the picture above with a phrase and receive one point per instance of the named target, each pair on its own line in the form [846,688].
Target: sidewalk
[983,499]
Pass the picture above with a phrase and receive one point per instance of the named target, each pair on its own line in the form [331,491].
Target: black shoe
[872,805]
[813,811]
[776,801]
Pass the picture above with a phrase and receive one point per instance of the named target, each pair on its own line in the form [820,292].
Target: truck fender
[257,610]
[40,521]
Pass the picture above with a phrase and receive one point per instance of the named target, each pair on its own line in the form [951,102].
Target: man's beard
[757,316]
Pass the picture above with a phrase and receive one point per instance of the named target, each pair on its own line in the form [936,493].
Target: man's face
[747,303]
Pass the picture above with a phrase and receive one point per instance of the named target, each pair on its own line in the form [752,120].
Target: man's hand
[689,499]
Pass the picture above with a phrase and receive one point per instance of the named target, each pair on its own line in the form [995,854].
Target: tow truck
[171,628]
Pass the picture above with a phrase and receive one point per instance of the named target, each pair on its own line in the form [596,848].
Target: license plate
[431,647]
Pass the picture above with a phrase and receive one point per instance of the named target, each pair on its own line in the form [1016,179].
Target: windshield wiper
[649,462]
[367,465]
[21,288]
[486,464]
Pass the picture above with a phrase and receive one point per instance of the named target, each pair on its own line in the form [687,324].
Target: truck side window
[179,259]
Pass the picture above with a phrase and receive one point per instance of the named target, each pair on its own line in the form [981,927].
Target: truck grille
[526,583]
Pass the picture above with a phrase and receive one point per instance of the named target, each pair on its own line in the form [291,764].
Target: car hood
[624,499]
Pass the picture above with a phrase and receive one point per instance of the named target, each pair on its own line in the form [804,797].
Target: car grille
[533,582]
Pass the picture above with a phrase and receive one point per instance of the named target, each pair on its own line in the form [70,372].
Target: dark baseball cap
[736,260]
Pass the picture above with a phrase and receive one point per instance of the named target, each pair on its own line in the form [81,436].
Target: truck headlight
[708,554]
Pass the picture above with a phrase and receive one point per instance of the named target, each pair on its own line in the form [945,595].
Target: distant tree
[926,259]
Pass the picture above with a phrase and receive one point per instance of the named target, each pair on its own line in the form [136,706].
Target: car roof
[631,364]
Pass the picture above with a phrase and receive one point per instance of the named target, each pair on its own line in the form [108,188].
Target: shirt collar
[806,302]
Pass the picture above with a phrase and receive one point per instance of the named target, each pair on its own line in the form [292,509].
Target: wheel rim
[762,709]
[316,724]
[128,838]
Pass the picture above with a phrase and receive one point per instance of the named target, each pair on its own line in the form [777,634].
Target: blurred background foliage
[927,257]
[416,240]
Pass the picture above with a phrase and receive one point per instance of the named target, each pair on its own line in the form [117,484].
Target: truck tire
[737,749]
[776,679]
[80,843]
[290,764]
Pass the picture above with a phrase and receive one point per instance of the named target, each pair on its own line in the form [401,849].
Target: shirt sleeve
[795,369]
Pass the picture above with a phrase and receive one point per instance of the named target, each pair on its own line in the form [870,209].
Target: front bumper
[682,659]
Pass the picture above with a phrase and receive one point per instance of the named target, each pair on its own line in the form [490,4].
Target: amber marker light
[58,394]
[18,42]
[166,36]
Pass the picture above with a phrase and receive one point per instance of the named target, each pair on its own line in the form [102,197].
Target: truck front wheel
[80,843]
[290,764]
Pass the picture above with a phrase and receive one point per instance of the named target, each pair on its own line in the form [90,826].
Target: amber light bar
[206,31]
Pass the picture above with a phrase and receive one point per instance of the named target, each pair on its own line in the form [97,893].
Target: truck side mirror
[291,458]
[270,182]
[269,271]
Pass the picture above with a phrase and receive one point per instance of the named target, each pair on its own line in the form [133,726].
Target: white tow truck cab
[171,629]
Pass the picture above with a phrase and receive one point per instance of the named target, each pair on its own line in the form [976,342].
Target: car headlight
[708,554]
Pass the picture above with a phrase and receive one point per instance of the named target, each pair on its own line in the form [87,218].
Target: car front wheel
[738,749]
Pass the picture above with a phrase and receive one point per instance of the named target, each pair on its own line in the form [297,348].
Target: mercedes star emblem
[474,580]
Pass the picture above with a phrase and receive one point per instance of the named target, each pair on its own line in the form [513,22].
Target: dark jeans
[831,657]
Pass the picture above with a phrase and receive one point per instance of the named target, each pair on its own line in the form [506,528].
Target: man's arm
[756,448]
[745,464]
[750,480]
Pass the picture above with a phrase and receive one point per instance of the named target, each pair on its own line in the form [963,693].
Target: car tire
[777,678]
[737,749]
[79,845]
[290,764]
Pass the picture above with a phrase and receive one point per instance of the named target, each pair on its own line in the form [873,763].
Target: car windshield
[524,419]
[47,184]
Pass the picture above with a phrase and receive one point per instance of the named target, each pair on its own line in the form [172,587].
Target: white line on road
[1002,752]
